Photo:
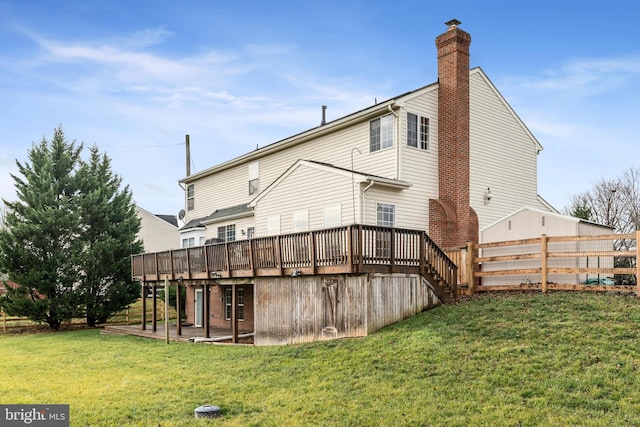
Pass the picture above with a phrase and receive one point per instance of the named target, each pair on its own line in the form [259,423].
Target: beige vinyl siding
[241,224]
[503,155]
[405,216]
[156,233]
[306,188]
[418,167]
[231,186]
[228,188]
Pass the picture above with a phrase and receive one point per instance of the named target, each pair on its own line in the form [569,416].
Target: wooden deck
[349,249]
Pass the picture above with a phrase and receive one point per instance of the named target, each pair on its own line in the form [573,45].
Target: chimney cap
[452,23]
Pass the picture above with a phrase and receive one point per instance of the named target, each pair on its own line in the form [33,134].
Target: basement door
[199,308]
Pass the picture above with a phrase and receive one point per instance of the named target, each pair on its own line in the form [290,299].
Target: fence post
[543,261]
[4,321]
[469,267]
[637,263]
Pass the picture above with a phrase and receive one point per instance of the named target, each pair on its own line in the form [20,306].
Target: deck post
[637,263]
[206,315]
[350,248]
[144,306]
[360,245]
[544,253]
[166,308]
[234,314]
[178,309]
[154,309]
[471,285]
[312,252]
[423,253]
[392,250]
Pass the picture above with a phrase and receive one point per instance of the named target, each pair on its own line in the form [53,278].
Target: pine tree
[39,245]
[110,226]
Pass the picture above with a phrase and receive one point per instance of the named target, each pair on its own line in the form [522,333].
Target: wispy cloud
[582,77]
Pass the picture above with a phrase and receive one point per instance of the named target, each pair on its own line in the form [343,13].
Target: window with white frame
[251,231]
[228,301]
[417,131]
[386,215]
[188,242]
[301,220]
[254,178]
[227,233]
[381,133]
[273,225]
[190,197]
[333,216]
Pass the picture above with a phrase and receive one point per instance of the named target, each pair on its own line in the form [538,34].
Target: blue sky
[134,77]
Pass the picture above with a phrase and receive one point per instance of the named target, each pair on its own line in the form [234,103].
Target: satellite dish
[181,214]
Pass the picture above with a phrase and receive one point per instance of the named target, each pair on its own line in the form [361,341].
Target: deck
[340,250]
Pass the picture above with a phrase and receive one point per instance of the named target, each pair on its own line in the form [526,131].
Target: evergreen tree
[39,245]
[110,226]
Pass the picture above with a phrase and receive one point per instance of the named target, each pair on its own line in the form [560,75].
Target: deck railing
[349,249]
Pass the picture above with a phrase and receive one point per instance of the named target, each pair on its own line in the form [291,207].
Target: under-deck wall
[313,308]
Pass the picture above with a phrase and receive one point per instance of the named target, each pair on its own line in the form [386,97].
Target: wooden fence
[129,316]
[592,263]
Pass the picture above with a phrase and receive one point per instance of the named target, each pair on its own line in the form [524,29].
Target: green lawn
[560,359]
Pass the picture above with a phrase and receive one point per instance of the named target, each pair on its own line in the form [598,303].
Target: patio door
[199,308]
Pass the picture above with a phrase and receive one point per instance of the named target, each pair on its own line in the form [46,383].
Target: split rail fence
[586,263]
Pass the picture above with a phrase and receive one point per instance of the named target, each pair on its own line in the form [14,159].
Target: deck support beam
[144,306]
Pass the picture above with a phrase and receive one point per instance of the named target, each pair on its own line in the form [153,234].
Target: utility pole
[186,142]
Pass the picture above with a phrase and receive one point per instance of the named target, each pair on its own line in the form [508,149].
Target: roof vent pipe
[324,116]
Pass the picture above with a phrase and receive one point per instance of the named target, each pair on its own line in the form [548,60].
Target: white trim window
[386,215]
[227,233]
[381,133]
[188,242]
[254,178]
[190,197]
[417,131]
[301,220]
[333,216]
[273,225]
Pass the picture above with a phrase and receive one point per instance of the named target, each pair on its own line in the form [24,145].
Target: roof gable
[326,167]
[477,71]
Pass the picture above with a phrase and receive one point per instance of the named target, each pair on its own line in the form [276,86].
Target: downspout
[396,136]
[363,203]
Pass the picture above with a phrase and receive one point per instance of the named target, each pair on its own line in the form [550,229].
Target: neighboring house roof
[553,214]
[357,176]
[231,212]
[171,219]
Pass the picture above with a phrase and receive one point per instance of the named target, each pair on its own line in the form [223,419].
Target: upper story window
[188,242]
[254,178]
[190,197]
[417,131]
[386,215]
[227,233]
[381,133]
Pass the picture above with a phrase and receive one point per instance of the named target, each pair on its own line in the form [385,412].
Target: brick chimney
[452,221]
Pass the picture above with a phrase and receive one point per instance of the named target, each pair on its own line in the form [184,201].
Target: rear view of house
[438,162]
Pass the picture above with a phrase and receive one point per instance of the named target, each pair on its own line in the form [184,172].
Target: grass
[500,360]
